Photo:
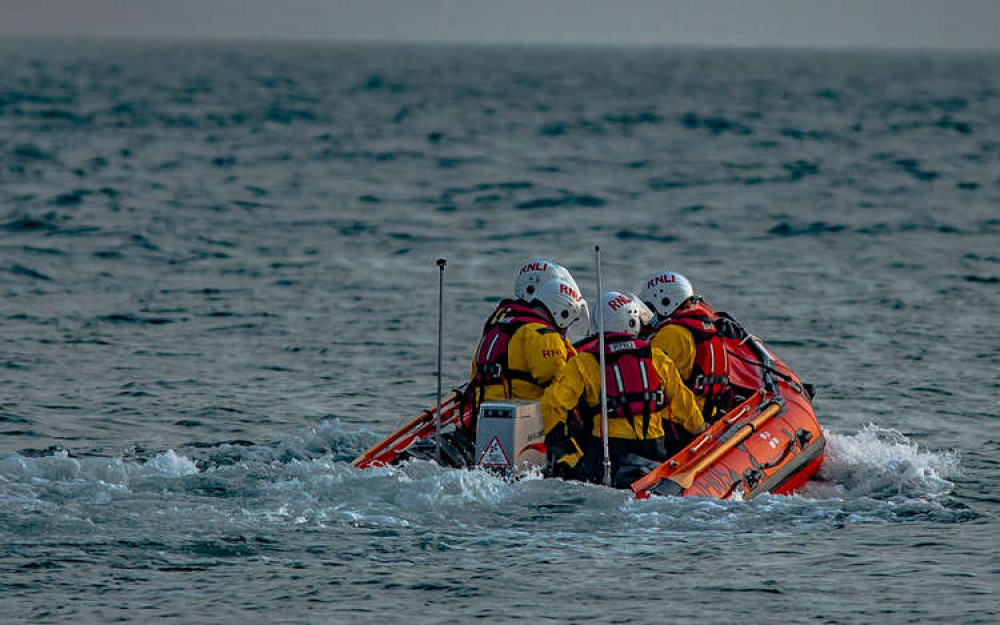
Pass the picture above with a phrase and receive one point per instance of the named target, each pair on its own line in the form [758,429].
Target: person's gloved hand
[562,448]
[729,328]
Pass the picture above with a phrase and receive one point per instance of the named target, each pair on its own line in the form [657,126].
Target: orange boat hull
[771,443]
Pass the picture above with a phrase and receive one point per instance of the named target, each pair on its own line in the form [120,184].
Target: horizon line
[526,43]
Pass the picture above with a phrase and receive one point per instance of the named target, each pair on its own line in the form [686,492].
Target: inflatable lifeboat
[770,443]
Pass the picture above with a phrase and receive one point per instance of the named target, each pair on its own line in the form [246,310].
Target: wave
[883,463]
[876,475]
[28,272]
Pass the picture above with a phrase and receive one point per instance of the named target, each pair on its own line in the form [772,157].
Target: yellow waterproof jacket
[536,349]
[582,379]
[677,343]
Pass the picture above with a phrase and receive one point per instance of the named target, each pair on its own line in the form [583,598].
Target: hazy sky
[968,24]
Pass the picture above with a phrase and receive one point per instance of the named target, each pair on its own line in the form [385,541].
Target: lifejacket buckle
[699,384]
[659,397]
[490,372]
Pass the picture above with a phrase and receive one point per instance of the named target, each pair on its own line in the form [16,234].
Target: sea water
[217,265]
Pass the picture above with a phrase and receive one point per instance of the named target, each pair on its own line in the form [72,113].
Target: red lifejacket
[710,373]
[632,384]
[492,366]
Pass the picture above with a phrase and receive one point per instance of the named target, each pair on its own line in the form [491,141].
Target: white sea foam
[168,464]
[882,462]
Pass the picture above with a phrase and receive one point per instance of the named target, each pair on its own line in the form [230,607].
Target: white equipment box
[510,437]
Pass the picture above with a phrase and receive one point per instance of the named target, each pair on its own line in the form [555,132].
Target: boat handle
[736,417]
[704,440]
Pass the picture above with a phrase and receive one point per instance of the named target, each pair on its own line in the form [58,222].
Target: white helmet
[536,272]
[665,291]
[646,314]
[623,312]
[563,301]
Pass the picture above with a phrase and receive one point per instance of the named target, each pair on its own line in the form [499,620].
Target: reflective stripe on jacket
[710,352]
[631,382]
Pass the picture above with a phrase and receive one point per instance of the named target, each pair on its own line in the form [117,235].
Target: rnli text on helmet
[535,267]
[565,288]
[618,302]
[667,279]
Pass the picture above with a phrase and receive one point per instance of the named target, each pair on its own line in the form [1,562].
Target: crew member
[690,333]
[647,400]
[522,349]
[524,345]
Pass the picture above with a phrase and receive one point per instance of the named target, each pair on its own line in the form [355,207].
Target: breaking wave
[875,475]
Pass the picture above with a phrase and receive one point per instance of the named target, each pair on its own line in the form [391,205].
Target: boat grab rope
[764,366]
[802,388]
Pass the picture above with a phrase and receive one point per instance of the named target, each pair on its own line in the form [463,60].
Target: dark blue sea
[218,282]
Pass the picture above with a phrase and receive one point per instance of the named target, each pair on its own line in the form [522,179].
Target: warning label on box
[494,455]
